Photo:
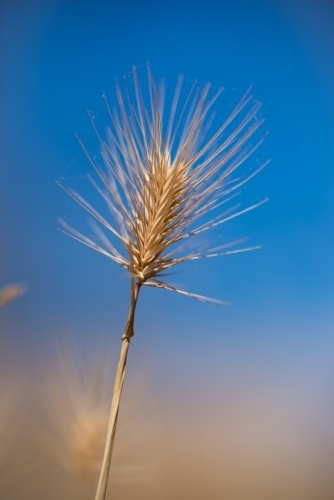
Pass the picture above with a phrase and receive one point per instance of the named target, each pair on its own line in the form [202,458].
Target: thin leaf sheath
[129,332]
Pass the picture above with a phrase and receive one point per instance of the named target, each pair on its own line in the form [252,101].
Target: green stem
[118,386]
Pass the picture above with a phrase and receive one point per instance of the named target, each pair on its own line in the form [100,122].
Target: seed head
[161,180]
[75,407]
[11,292]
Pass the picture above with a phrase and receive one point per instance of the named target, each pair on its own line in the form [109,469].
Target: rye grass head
[164,182]
[74,409]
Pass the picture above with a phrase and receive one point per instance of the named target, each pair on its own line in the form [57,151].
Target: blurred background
[220,402]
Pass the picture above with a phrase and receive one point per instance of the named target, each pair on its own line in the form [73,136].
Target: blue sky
[58,57]
[260,371]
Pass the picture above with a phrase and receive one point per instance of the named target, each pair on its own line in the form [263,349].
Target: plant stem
[119,379]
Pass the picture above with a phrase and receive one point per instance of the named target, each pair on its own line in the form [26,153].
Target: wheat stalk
[158,182]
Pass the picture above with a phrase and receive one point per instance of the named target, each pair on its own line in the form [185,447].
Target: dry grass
[75,407]
[70,421]
[157,192]
[164,185]
[11,292]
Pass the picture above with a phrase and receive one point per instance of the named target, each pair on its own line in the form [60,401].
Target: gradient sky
[57,57]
